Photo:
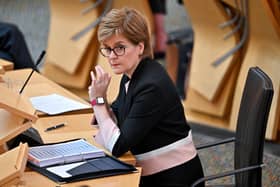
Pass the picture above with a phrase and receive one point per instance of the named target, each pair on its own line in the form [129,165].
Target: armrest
[227,173]
[228,140]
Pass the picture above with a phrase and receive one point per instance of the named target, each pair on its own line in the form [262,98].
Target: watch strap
[93,102]
[98,101]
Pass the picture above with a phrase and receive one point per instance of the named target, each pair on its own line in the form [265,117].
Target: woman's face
[125,57]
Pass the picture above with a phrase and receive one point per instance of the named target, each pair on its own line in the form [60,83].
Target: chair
[250,131]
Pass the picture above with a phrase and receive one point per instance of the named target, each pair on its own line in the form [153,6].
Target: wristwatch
[98,101]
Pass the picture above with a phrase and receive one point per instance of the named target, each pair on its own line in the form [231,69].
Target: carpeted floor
[32,17]
[220,158]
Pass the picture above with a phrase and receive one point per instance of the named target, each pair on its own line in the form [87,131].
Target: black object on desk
[91,169]
[28,78]
[55,127]
[30,136]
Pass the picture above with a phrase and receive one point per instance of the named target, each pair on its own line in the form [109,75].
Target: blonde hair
[128,22]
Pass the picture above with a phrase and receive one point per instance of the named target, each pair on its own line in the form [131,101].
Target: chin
[117,71]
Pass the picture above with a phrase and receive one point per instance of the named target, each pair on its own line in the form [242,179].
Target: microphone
[37,63]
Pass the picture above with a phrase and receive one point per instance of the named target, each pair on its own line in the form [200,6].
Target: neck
[130,73]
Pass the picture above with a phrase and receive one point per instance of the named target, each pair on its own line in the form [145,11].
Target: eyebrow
[116,44]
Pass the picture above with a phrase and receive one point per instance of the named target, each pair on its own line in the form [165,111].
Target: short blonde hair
[130,23]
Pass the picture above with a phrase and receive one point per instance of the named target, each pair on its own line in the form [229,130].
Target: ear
[141,48]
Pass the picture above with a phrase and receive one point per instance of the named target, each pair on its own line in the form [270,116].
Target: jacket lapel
[127,97]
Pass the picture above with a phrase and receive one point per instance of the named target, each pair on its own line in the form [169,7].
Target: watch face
[100,100]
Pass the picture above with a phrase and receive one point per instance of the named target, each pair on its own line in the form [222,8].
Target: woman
[147,116]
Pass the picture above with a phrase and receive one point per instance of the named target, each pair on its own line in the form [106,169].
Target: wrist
[97,101]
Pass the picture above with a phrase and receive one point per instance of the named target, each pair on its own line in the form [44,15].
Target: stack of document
[63,153]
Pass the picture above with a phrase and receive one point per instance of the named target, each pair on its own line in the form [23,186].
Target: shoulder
[152,74]
[151,70]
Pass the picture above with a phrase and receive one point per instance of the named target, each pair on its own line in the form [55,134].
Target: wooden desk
[16,113]
[11,126]
[6,65]
[37,86]
[17,78]
[13,164]
[77,126]
[34,179]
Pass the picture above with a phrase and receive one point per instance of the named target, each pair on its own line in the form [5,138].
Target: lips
[114,65]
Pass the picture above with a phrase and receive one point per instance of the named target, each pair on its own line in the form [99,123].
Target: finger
[92,75]
[102,73]
[93,79]
[107,77]
[98,73]
[101,69]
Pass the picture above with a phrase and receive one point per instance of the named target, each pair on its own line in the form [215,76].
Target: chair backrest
[251,126]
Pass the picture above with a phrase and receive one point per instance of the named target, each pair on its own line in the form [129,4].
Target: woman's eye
[120,47]
[108,50]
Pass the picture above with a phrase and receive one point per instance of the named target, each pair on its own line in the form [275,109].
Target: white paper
[62,170]
[56,104]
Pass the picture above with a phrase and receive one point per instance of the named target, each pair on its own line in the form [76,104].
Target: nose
[112,54]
